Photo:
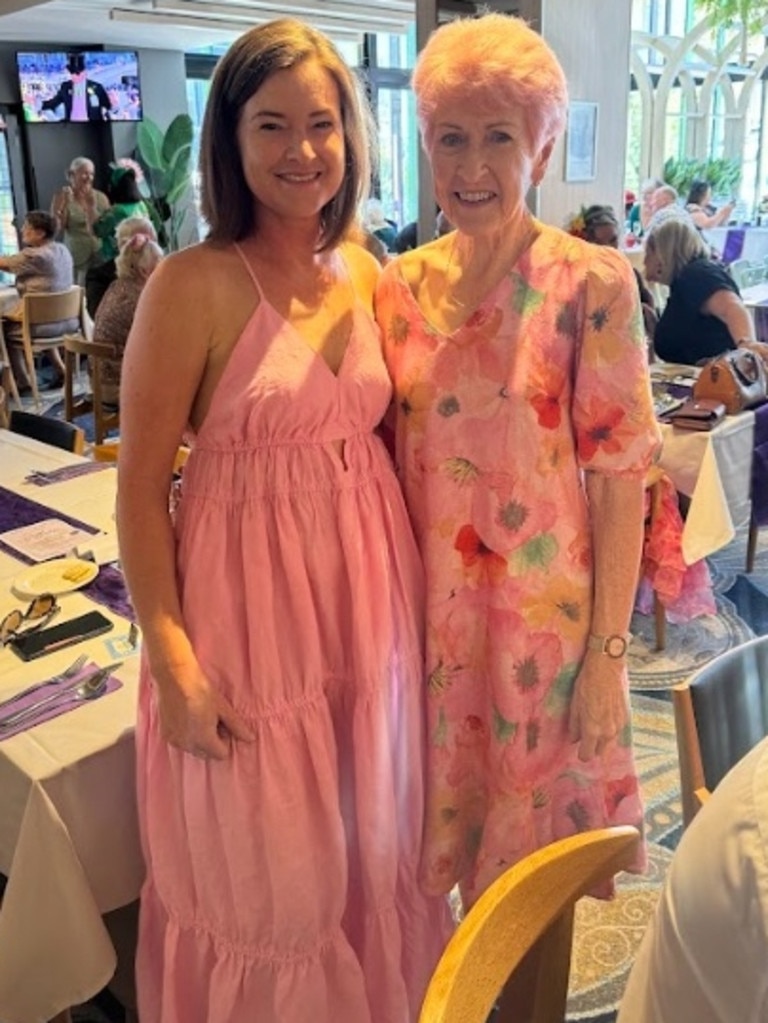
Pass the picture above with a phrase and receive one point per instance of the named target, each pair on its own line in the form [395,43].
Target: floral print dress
[496,425]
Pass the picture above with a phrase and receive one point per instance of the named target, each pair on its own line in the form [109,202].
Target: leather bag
[736,378]
[700,414]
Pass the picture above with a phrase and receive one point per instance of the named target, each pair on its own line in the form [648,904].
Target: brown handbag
[736,378]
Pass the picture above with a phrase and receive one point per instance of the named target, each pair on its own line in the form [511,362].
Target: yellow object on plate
[61,575]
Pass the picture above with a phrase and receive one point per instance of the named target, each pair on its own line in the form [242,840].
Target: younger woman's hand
[197,719]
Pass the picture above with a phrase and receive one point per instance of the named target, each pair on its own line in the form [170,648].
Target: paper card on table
[50,538]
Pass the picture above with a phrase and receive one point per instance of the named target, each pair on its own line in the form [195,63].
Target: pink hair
[494,61]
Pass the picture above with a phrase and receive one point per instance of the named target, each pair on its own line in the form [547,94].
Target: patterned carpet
[607,934]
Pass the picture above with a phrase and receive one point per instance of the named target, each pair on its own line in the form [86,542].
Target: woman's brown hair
[228,205]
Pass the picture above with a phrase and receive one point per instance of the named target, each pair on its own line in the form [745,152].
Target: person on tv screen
[82,98]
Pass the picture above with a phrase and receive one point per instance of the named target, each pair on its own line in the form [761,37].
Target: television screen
[87,85]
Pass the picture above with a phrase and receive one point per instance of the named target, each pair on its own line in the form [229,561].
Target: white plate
[52,577]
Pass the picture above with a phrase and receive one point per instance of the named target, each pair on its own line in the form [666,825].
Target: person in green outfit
[126,201]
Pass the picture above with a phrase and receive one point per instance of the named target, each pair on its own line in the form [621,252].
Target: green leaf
[178,136]
[503,730]
[537,553]
[559,694]
[149,141]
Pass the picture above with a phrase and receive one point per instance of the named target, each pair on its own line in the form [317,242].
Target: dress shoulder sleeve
[614,422]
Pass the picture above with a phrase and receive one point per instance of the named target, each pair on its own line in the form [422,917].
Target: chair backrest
[51,307]
[737,270]
[105,418]
[721,713]
[48,430]
[529,909]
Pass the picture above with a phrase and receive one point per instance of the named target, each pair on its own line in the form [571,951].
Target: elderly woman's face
[482,164]
[82,176]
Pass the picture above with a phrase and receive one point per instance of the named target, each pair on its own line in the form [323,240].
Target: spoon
[90,687]
[64,676]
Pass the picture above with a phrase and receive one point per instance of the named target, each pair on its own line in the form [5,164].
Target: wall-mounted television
[80,86]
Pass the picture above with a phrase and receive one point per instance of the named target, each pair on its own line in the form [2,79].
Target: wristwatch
[614,646]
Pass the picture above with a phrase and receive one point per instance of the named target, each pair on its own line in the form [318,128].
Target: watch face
[616,646]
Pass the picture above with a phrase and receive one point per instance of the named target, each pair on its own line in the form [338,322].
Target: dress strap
[250,270]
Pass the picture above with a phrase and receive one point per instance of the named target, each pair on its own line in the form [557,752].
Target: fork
[64,676]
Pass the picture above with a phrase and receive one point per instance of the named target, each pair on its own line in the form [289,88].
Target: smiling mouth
[300,179]
[475,197]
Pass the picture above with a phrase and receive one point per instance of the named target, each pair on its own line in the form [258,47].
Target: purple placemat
[56,707]
[66,472]
[108,588]
[17,511]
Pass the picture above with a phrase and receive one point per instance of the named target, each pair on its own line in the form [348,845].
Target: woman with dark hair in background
[699,205]
[280,728]
[127,201]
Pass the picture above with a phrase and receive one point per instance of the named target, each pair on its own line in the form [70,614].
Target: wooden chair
[3,409]
[721,712]
[521,927]
[48,430]
[105,417]
[7,378]
[39,310]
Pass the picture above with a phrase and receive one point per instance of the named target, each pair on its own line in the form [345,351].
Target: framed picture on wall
[581,142]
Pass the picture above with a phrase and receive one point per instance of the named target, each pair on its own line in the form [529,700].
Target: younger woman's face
[291,139]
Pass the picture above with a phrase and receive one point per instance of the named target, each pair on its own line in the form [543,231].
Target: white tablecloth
[68,826]
[714,470]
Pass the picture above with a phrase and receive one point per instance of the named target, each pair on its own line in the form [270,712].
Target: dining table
[713,469]
[69,838]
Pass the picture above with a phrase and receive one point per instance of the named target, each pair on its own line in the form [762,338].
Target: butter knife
[10,720]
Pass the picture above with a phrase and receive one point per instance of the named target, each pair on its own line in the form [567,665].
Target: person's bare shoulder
[364,269]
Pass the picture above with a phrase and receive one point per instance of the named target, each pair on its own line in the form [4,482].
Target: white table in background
[69,839]
[714,470]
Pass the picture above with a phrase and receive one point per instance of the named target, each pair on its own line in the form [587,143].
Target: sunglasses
[42,609]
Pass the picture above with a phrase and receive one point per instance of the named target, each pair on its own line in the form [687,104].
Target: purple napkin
[66,472]
[55,707]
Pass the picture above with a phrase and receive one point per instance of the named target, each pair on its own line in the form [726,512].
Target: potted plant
[723,174]
[165,158]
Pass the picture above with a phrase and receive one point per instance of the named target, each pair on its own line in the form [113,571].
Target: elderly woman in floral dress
[524,431]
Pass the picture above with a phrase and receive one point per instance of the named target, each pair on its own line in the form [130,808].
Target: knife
[19,715]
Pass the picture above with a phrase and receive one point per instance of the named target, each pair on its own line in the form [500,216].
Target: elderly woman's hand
[599,706]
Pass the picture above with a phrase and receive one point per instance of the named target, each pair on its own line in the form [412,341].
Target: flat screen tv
[83,85]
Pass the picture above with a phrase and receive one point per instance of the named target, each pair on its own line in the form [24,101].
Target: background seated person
[704,956]
[99,278]
[42,265]
[138,257]
[639,216]
[699,205]
[704,315]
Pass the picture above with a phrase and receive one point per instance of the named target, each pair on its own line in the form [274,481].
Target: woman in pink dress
[524,431]
[280,737]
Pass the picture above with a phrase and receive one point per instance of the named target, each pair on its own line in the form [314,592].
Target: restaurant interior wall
[591,39]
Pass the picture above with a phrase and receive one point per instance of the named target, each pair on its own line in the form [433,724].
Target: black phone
[30,645]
